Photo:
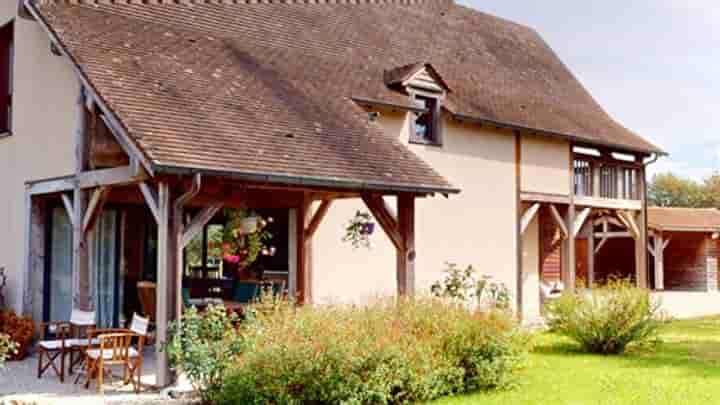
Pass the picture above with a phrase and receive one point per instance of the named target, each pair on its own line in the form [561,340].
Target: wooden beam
[629,223]
[405,271]
[600,245]
[381,212]
[197,224]
[528,217]
[68,208]
[317,218]
[116,176]
[94,208]
[559,221]
[580,221]
[544,197]
[610,203]
[151,199]
[50,186]
[606,219]
[611,235]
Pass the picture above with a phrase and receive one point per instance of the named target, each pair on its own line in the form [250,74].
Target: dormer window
[426,123]
[427,91]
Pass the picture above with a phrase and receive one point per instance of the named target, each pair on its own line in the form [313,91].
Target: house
[130,125]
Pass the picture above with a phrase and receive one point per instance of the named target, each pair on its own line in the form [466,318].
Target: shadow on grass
[698,355]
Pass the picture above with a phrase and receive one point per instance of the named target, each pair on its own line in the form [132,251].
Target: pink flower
[234,259]
[271,220]
[226,247]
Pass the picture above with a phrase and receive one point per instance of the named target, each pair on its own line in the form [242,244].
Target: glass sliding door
[58,279]
[105,277]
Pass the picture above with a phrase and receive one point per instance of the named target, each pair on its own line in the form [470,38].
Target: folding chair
[51,350]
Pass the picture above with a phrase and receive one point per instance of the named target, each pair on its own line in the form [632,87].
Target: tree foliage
[670,190]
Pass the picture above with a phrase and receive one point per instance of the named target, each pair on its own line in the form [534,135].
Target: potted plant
[359,229]
[245,238]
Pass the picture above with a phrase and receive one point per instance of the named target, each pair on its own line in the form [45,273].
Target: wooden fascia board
[109,116]
[116,176]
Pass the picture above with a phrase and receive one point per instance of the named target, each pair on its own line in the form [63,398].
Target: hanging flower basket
[249,224]
[359,229]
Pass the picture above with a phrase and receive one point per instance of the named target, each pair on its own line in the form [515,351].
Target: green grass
[685,369]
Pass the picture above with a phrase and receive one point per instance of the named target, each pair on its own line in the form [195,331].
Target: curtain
[104,274]
[60,280]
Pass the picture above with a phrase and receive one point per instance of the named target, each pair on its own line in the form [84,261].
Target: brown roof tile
[221,86]
[688,219]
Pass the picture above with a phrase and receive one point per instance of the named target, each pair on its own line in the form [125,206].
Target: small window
[426,128]
[6,77]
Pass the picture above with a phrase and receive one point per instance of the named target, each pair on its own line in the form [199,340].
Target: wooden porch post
[165,266]
[659,252]
[303,292]
[80,267]
[406,253]
[401,231]
[570,264]
[641,251]
[711,263]
[591,254]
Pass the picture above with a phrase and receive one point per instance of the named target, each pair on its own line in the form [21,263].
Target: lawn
[685,369]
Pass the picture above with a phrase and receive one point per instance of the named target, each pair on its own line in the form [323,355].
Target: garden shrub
[393,351]
[607,319]
[203,346]
[20,329]
[8,348]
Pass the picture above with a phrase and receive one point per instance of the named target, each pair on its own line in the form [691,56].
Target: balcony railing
[608,180]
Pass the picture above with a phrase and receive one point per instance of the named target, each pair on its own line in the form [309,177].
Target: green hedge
[386,353]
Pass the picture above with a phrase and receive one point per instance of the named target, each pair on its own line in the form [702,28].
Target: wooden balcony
[604,183]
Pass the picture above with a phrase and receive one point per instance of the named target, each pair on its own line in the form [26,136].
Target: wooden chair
[139,327]
[114,349]
[68,338]
[81,322]
[147,293]
[51,350]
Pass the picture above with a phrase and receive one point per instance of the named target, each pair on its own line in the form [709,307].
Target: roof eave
[306,181]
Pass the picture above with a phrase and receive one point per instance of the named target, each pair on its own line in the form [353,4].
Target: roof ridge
[234,2]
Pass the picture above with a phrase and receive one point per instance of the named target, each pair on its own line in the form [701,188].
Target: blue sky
[654,65]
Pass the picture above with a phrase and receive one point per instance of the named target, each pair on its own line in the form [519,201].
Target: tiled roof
[267,87]
[679,219]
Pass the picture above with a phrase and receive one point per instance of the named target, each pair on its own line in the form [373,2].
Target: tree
[670,190]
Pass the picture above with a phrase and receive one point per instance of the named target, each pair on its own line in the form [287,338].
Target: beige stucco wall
[531,272]
[474,227]
[45,89]
[545,165]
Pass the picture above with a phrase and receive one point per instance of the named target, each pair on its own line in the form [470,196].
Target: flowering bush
[8,348]
[20,330]
[466,286]
[202,346]
[607,319]
[390,352]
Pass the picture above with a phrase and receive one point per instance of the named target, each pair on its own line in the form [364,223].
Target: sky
[654,65]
